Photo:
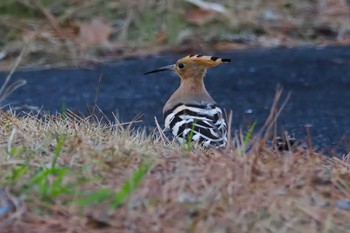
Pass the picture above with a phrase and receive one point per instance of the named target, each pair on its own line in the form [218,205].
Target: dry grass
[69,174]
[79,32]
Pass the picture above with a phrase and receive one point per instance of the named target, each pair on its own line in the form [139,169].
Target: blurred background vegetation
[78,32]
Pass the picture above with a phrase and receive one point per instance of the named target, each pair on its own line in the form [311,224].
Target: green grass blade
[95,197]
[56,187]
[46,187]
[57,150]
[130,185]
[249,133]
[64,110]
[190,136]
[16,174]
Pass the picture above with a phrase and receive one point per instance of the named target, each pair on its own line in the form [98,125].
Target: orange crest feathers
[208,61]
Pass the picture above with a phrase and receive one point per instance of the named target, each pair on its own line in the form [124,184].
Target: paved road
[318,78]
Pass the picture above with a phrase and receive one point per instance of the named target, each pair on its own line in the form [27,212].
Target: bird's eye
[181,65]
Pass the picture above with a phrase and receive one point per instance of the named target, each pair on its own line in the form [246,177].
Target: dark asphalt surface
[318,79]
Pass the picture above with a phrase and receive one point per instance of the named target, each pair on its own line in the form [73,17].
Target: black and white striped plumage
[206,121]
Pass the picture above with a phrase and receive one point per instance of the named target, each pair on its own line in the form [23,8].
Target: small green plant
[16,174]
[95,197]
[57,150]
[249,134]
[49,182]
[130,185]
[119,197]
[190,136]
[64,110]
[15,151]
[242,142]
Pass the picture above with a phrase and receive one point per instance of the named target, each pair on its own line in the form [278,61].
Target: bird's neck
[190,92]
[192,86]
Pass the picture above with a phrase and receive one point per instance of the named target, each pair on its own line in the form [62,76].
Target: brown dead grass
[236,190]
[71,33]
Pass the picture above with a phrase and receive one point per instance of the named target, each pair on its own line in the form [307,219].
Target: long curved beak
[164,68]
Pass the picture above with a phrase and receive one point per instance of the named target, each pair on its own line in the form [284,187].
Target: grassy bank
[64,173]
[79,32]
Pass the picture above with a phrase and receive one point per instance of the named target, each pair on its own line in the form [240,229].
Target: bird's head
[192,66]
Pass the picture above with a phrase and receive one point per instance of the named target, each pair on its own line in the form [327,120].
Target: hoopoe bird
[191,113]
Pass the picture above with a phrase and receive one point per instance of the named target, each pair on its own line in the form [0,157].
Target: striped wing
[207,122]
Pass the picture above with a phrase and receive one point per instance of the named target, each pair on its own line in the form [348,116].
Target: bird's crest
[207,61]
[191,64]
